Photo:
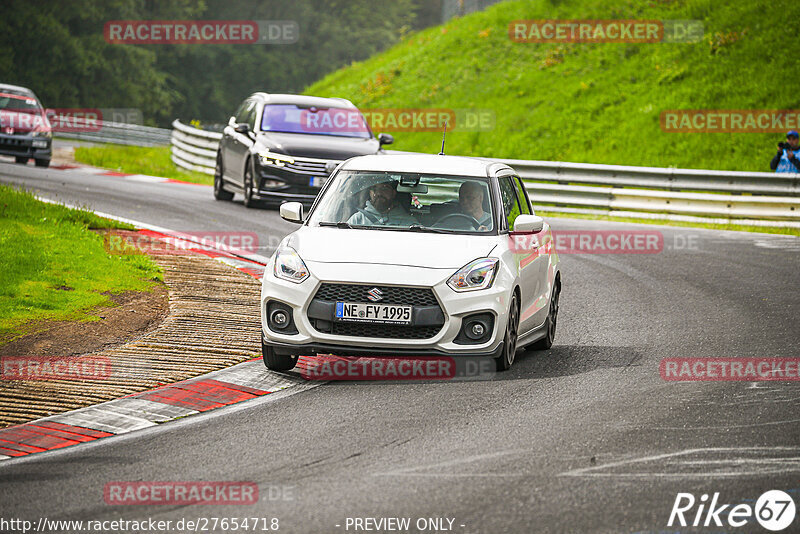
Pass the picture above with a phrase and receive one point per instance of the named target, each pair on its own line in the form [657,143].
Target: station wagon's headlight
[289,266]
[475,275]
[266,157]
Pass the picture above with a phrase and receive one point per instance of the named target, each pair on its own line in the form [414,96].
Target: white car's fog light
[289,266]
[280,318]
[478,330]
[478,274]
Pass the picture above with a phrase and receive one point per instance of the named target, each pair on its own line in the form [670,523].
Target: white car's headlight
[478,274]
[289,266]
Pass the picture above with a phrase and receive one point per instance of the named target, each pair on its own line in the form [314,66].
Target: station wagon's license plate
[316,181]
[373,313]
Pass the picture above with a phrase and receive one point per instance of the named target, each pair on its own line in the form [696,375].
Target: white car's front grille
[404,296]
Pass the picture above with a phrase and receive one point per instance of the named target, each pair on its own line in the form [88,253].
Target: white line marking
[592,471]
[145,178]
[720,427]
[409,471]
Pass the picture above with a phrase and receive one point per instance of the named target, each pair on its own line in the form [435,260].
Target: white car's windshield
[411,201]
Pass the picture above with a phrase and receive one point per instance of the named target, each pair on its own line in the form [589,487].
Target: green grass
[592,103]
[686,224]
[53,267]
[153,161]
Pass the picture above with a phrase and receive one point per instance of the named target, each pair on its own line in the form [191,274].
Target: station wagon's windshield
[291,118]
[406,201]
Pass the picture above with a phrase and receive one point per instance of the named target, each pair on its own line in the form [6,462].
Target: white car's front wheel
[277,362]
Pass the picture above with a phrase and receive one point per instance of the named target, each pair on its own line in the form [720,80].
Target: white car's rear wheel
[552,318]
[506,358]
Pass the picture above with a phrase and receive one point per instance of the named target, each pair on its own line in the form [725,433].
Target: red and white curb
[245,381]
[83,169]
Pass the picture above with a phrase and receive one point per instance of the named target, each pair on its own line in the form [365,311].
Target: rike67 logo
[774,510]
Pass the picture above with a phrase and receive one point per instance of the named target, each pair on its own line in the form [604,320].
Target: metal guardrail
[754,198]
[120,133]
[194,149]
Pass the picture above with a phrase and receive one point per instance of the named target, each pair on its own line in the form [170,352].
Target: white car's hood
[343,245]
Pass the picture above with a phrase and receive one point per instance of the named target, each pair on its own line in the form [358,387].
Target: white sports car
[412,255]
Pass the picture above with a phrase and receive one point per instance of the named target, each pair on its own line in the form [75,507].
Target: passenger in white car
[470,197]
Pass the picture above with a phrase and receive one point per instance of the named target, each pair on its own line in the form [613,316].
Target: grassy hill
[593,103]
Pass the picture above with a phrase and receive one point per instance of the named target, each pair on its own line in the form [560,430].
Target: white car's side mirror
[292,212]
[528,224]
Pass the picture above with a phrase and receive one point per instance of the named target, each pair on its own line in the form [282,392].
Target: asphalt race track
[586,437]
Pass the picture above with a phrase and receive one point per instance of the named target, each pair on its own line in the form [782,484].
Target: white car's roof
[425,163]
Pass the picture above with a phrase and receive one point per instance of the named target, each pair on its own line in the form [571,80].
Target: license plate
[316,181]
[39,144]
[373,313]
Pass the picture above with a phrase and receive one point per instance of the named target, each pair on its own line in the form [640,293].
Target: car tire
[506,358]
[42,162]
[20,159]
[219,188]
[277,362]
[552,320]
[249,201]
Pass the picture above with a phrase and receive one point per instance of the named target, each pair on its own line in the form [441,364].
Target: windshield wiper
[340,224]
[343,224]
[420,228]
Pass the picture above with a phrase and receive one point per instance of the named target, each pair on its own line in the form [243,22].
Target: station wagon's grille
[311,168]
[404,296]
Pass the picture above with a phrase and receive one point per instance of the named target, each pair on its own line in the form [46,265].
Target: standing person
[786,158]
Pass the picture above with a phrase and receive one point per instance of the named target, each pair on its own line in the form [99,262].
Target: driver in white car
[382,208]
[470,197]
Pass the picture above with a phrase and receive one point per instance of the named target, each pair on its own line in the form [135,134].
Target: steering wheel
[470,219]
